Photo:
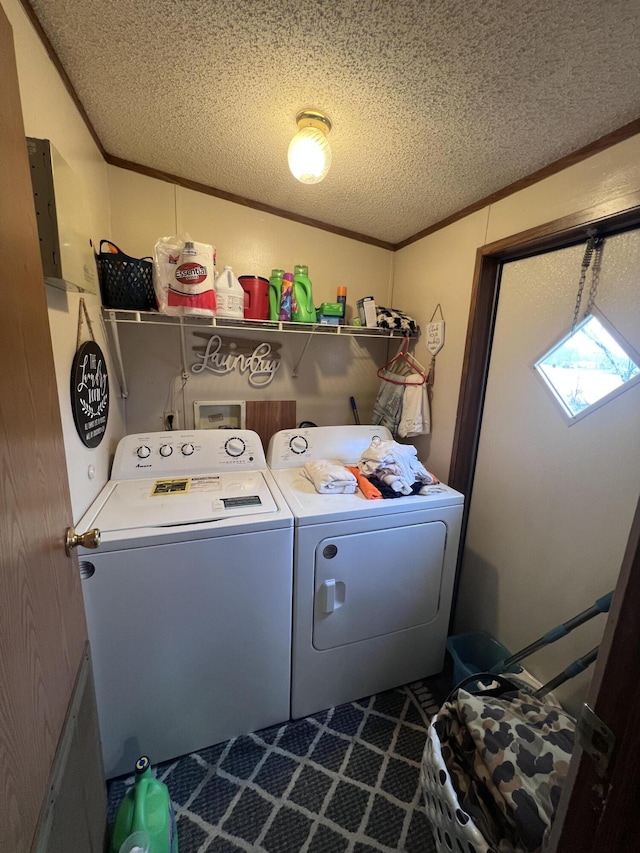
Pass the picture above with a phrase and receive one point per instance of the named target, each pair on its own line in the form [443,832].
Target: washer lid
[309,507]
[174,501]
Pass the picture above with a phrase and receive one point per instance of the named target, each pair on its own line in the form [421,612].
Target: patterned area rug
[345,780]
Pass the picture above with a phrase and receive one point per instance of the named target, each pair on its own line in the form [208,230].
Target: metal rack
[117,316]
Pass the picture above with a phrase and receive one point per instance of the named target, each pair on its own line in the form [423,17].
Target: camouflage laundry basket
[453,828]
[493,767]
[506,741]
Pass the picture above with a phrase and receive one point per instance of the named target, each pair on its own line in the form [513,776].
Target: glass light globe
[309,155]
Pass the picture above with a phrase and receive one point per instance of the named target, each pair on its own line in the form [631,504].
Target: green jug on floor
[146,808]
[304,312]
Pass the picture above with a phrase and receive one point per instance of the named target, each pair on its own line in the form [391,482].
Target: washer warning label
[170,487]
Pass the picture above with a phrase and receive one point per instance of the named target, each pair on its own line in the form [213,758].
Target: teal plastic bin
[476,652]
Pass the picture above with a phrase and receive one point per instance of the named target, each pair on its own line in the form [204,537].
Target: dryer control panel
[291,448]
[185,452]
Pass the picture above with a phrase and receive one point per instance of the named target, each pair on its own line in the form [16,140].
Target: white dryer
[188,597]
[373,579]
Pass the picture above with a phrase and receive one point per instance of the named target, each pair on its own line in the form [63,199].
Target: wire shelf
[275,326]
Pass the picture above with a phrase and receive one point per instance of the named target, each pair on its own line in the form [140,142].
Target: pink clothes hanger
[401,361]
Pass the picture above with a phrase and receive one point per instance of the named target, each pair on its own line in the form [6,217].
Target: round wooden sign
[90,393]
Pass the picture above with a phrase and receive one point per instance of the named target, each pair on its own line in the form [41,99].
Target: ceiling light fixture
[309,150]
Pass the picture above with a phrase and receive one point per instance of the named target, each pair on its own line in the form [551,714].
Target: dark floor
[345,780]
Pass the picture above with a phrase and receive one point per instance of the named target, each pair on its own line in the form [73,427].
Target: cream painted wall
[329,374]
[440,269]
[435,270]
[604,177]
[142,209]
[254,243]
[251,242]
[49,113]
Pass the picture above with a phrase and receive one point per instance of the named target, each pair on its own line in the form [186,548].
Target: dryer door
[377,582]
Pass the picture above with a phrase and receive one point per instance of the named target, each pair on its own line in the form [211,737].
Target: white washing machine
[373,579]
[188,597]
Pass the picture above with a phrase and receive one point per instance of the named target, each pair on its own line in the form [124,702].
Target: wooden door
[43,634]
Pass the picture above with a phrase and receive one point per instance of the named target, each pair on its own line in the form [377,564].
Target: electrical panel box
[63,216]
[222,414]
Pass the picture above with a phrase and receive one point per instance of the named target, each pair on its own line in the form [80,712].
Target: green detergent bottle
[305,311]
[275,292]
[146,808]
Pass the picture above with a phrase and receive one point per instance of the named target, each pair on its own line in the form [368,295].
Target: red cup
[256,297]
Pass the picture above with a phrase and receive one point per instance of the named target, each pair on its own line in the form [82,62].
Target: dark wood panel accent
[246,202]
[268,416]
[484,296]
[42,623]
[55,59]
[601,144]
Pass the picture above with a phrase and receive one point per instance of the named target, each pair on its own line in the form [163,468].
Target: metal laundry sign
[261,363]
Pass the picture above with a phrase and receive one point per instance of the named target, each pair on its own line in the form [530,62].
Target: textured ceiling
[435,104]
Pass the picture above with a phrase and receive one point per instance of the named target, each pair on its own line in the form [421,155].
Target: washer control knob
[187,449]
[298,444]
[143,452]
[235,447]
[166,450]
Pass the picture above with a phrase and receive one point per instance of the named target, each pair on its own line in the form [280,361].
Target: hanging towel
[402,408]
[329,478]
[415,417]
[387,409]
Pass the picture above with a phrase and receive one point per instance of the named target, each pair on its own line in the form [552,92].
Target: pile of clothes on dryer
[386,469]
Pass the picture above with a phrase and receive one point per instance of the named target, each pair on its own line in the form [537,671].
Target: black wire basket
[125,282]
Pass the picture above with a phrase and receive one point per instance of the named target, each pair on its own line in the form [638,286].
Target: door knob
[90,539]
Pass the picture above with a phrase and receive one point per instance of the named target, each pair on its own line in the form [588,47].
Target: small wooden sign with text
[435,337]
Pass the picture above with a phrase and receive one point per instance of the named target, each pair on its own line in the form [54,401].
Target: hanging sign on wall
[261,363]
[435,337]
[90,393]
[435,332]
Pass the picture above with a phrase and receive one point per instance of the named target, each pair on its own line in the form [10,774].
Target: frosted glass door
[552,503]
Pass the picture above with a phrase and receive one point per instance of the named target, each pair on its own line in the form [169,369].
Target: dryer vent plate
[219,414]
